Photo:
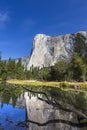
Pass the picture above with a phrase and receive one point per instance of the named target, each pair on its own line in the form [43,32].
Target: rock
[24,61]
[47,50]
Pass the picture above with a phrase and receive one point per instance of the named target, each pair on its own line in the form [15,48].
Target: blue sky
[21,20]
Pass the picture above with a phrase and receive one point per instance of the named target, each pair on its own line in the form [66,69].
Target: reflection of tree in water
[79,125]
[70,101]
[9,94]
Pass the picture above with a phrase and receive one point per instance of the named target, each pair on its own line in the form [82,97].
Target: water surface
[42,108]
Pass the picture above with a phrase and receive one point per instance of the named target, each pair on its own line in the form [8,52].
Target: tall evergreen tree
[80,47]
[78,68]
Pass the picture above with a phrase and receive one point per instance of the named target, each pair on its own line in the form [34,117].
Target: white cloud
[4,17]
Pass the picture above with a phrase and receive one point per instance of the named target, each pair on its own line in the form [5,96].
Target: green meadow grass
[64,85]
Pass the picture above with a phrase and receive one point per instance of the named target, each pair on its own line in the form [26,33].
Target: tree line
[73,69]
[11,70]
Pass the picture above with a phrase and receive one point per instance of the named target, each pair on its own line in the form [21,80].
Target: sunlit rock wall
[39,111]
[47,50]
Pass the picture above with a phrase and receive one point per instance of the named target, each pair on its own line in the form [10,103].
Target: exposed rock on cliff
[47,50]
[24,61]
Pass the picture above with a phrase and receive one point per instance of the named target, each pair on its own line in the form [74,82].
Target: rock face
[24,61]
[47,50]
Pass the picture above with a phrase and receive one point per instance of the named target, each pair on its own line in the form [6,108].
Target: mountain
[47,50]
[24,61]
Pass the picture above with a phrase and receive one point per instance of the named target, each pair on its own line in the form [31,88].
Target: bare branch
[79,125]
[56,104]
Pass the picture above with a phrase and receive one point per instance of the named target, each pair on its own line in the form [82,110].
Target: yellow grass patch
[44,83]
[33,83]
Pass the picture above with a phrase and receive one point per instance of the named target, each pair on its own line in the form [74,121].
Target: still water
[42,108]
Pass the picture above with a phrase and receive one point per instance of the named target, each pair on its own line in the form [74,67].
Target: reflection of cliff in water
[47,108]
[44,115]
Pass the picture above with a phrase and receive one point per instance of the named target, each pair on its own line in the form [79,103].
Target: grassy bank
[65,84]
[33,83]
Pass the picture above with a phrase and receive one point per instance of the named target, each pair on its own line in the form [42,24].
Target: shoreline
[63,84]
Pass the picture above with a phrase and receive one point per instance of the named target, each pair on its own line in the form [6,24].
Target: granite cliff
[47,50]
